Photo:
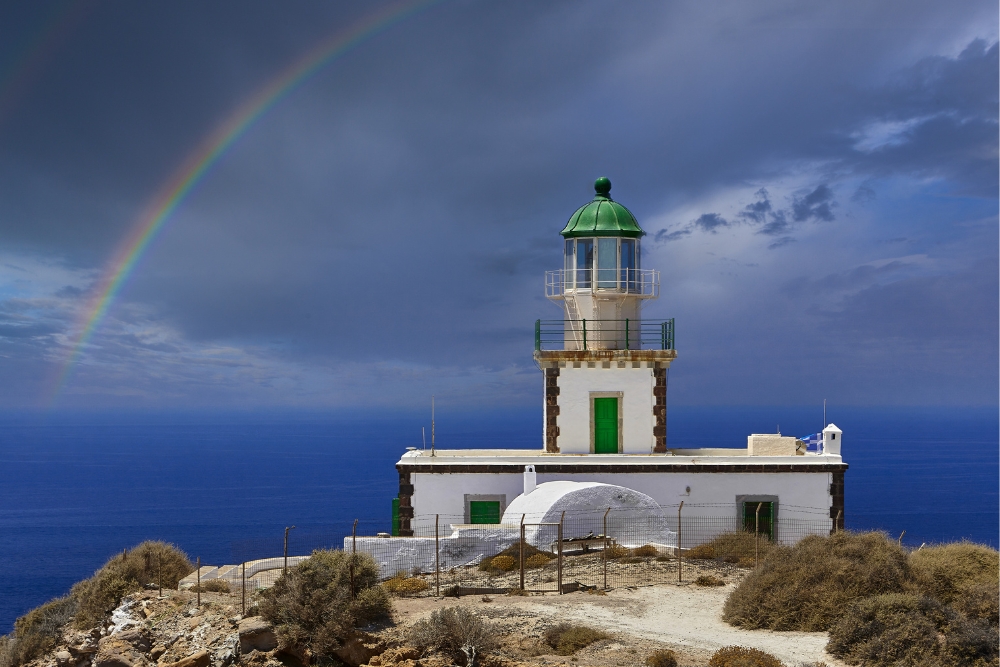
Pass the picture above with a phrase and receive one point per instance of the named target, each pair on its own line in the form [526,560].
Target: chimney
[529,479]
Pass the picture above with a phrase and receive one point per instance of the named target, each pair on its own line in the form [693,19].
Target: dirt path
[687,617]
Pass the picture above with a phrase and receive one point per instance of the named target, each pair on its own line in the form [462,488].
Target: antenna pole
[432,425]
[423,436]
[824,413]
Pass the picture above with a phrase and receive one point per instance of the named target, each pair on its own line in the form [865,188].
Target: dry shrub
[311,606]
[402,585]
[737,547]
[148,563]
[742,656]
[645,551]
[614,552]
[807,586]
[212,586]
[906,629]
[456,632]
[567,639]
[946,572]
[536,561]
[708,580]
[499,563]
[662,658]
[517,592]
[37,632]
[979,601]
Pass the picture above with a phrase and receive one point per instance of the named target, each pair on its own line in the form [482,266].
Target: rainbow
[194,168]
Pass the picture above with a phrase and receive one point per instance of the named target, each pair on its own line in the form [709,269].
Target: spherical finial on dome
[602,186]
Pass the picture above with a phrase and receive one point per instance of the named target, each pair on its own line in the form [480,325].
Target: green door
[606,425]
[484,511]
[762,522]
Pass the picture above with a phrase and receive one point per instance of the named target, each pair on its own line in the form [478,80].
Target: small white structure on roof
[632,518]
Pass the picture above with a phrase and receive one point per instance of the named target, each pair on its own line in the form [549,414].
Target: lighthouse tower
[605,367]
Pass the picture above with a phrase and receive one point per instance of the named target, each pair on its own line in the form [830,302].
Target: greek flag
[814,442]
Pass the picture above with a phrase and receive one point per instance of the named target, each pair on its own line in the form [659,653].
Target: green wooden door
[763,522]
[484,511]
[606,425]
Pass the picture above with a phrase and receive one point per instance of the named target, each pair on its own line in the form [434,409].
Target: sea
[77,488]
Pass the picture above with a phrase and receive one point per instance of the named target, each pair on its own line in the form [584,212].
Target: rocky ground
[173,631]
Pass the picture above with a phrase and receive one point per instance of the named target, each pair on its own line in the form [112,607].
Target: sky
[818,183]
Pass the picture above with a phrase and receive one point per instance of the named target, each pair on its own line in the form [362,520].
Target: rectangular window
[584,262]
[628,264]
[568,263]
[607,263]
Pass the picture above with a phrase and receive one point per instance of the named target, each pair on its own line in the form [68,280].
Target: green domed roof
[602,217]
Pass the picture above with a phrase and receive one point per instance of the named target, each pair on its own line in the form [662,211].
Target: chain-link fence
[579,550]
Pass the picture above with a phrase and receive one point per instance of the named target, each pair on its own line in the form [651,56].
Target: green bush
[456,632]
[905,629]
[567,639]
[741,656]
[37,632]
[947,571]
[311,606]
[807,586]
[662,658]
[147,563]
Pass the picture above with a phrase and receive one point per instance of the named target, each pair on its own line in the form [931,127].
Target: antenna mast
[824,413]
[432,425]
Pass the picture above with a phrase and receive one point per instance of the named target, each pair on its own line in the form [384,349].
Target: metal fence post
[354,551]
[756,537]
[605,554]
[243,604]
[680,558]
[521,552]
[836,522]
[198,576]
[437,559]
[560,563]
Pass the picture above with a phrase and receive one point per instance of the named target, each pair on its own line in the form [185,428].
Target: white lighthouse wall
[576,389]
[801,495]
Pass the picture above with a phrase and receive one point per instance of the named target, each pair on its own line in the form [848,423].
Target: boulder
[395,656]
[256,634]
[359,649]
[201,658]
[137,638]
[65,659]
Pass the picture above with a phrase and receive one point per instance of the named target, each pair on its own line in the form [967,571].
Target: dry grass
[536,561]
[567,639]
[807,586]
[311,607]
[708,580]
[662,658]
[212,586]
[906,629]
[403,586]
[37,632]
[646,551]
[533,557]
[741,656]
[948,571]
[737,547]
[614,552]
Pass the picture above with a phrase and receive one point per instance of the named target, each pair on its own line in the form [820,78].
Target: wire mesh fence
[577,550]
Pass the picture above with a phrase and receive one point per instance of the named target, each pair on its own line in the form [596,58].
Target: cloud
[710,222]
[817,205]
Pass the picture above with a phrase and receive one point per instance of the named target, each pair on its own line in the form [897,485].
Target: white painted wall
[801,495]
[637,421]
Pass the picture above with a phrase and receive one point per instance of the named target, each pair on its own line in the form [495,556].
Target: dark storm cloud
[402,206]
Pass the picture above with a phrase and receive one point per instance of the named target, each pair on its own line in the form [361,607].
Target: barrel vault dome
[602,217]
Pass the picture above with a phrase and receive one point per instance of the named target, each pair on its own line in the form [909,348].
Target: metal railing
[644,283]
[604,334]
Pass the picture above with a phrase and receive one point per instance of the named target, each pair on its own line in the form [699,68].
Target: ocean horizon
[78,487]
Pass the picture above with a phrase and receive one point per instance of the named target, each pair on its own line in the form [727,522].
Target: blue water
[77,488]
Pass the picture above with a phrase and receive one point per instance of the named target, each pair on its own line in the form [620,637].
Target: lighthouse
[605,367]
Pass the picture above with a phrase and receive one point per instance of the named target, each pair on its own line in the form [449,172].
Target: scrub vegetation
[403,585]
[319,603]
[91,600]
[567,639]
[882,605]
[456,632]
[742,656]
[508,559]
[740,547]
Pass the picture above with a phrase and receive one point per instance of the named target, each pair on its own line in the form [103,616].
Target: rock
[395,656]
[200,659]
[157,651]
[137,638]
[359,649]
[111,659]
[256,634]
[65,659]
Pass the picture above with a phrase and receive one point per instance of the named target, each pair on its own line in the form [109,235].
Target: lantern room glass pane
[627,264]
[568,261]
[607,263]
[584,262]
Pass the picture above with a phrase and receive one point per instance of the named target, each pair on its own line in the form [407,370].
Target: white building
[605,393]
